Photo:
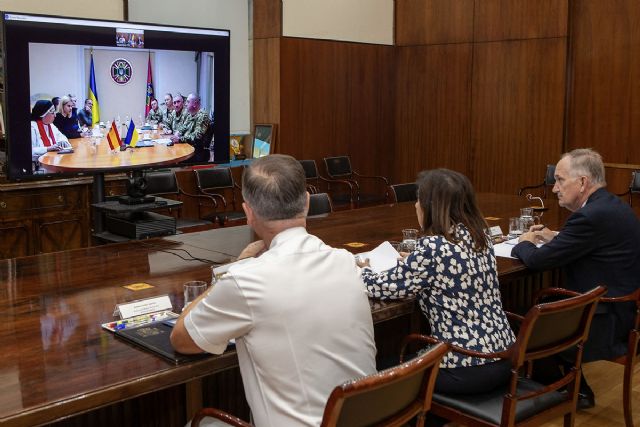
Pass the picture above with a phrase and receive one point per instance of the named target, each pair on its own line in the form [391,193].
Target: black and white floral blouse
[458,291]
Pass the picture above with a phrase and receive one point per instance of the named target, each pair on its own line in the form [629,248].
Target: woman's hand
[55,147]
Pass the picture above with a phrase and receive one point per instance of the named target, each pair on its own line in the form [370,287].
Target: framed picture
[264,137]
[236,147]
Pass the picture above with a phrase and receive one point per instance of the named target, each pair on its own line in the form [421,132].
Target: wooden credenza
[44,216]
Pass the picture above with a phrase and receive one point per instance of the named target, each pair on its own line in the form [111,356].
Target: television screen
[129,95]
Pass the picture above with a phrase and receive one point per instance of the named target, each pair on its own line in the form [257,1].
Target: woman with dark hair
[453,273]
[45,136]
[65,120]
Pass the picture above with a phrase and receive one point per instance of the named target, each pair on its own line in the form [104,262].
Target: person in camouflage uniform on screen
[193,129]
[155,114]
[176,116]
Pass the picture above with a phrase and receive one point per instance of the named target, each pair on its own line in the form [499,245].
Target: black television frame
[16,36]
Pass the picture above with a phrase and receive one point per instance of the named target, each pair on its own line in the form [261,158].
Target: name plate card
[143,306]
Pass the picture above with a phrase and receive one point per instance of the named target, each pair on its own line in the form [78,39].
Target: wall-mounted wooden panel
[420,22]
[520,19]
[517,112]
[433,109]
[337,98]
[266,80]
[267,19]
[604,96]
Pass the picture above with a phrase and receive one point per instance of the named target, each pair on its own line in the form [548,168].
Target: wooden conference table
[90,158]
[57,361]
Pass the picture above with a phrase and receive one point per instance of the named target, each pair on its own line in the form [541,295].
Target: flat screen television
[123,62]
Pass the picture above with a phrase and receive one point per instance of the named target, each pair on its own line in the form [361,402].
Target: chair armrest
[430,340]
[199,196]
[219,415]
[554,292]
[529,187]
[337,181]
[216,195]
[624,194]
[380,177]
[514,317]
[634,296]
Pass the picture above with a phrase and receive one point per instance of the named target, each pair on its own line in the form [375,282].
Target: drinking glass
[515,227]
[527,218]
[192,290]
[409,237]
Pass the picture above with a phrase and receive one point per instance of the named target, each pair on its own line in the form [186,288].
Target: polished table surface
[56,359]
[88,157]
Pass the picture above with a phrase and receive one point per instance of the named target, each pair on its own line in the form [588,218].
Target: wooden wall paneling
[267,19]
[433,109]
[520,19]
[604,94]
[420,22]
[266,82]
[517,112]
[15,238]
[337,99]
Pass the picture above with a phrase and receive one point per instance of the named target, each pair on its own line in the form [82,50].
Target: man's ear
[306,207]
[249,212]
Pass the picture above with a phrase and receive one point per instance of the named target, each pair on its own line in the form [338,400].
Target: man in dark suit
[598,245]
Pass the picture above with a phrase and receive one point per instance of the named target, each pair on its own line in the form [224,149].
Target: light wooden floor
[605,379]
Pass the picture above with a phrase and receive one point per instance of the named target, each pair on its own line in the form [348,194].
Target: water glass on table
[515,227]
[192,290]
[409,238]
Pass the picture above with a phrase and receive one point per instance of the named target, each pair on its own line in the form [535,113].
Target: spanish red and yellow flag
[114,137]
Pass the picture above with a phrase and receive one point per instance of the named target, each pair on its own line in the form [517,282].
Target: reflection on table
[93,154]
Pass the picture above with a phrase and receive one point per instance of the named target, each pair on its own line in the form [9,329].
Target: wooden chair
[214,182]
[405,192]
[549,182]
[628,360]
[545,330]
[634,186]
[340,168]
[164,183]
[319,204]
[388,398]
[339,189]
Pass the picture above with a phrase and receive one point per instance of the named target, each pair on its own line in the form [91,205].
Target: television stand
[133,222]
[128,200]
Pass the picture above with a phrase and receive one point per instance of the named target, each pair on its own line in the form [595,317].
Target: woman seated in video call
[453,273]
[65,120]
[45,136]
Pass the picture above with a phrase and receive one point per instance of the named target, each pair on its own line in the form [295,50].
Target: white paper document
[382,257]
[504,249]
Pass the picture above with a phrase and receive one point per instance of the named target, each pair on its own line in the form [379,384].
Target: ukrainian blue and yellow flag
[132,135]
[93,94]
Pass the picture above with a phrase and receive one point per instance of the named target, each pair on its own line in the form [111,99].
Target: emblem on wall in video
[121,71]
[127,37]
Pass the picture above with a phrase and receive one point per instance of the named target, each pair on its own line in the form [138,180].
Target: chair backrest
[549,177]
[390,397]
[550,328]
[310,169]
[214,178]
[405,192]
[319,204]
[161,182]
[338,166]
[634,187]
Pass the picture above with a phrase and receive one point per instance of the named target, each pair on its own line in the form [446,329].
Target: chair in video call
[388,398]
[634,186]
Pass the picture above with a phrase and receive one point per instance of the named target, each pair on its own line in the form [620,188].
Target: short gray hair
[587,162]
[275,187]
